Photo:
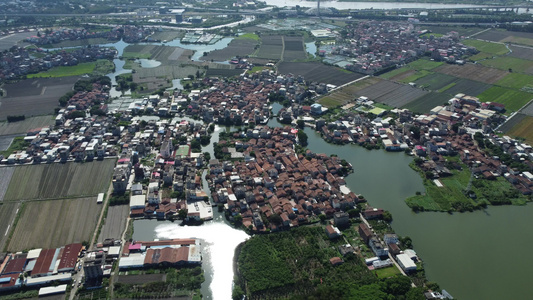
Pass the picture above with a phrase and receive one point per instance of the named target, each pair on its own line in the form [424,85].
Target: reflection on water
[219,241]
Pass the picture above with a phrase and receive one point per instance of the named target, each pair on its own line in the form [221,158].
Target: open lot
[346,94]
[317,72]
[427,102]
[512,99]
[8,211]
[31,97]
[271,47]
[115,222]
[391,93]
[237,47]
[21,127]
[473,72]
[54,223]
[523,128]
[11,40]
[56,180]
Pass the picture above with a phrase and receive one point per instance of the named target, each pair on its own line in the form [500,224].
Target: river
[366,5]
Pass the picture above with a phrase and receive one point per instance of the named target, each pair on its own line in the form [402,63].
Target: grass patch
[387,272]
[447,87]
[394,72]
[17,144]
[63,71]
[515,80]
[383,106]
[424,64]
[139,55]
[512,99]
[252,36]
[429,34]
[487,47]
[509,62]
[419,74]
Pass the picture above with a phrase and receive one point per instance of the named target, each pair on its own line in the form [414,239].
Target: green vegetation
[346,94]
[100,67]
[128,55]
[179,282]
[17,144]
[508,62]
[447,87]
[29,294]
[424,64]
[453,197]
[512,99]
[295,264]
[394,72]
[515,81]
[487,47]
[418,74]
[387,272]
[524,129]
[252,36]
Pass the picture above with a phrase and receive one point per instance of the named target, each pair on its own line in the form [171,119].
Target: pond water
[311,48]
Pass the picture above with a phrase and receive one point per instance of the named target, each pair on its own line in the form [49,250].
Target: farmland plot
[473,72]
[115,222]
[25,125]
[54,223]
[521,52]
[435,81]
[468,87]
[508,62]
[528,110]
[271,47]
[60,180]
[237,47]
[512,99]
[294,48]
[427,102]
[8,211]
[391,93]
[32,97]
[223,72]
[5,177]
[317,72]
[523,129]
[516,119]
[347,93]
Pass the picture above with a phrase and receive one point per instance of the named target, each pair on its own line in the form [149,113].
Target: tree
[182,214]
[300,123]
[387,216]
[398,285]
[302,137]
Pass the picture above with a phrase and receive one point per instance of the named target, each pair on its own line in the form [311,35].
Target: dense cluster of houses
[21,61]
[271,179]
[376,45]
[129,33]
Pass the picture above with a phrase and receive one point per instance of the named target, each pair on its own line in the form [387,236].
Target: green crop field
[252,36]
[395,72]
[509,62]
[487,47]
[52,181]
[523,129]
[347,93]
[101,67]
[425,103]
[516,81]
[424,64]
[54,223]
[512,99]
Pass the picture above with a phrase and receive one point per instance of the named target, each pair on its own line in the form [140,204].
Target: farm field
[499,35]
[223,72]
[468,87]
[400,72]
[115,222]
[5,141]
[271,47]
[517,118]
[523,129]
[427,102]
[463,31]
[528,110]
[346,94]
[77,43]
[56,180]
[99,67]
[512,99]
[237,47]
[294,49]
[19,127]
[167,35]
[509,62]
[473,72]
[54,223]
[391,93]
[7,215]
[516,81]
[32,97]
[521,52]
[435,81]
[5,177]
[318,72]
[487,47]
